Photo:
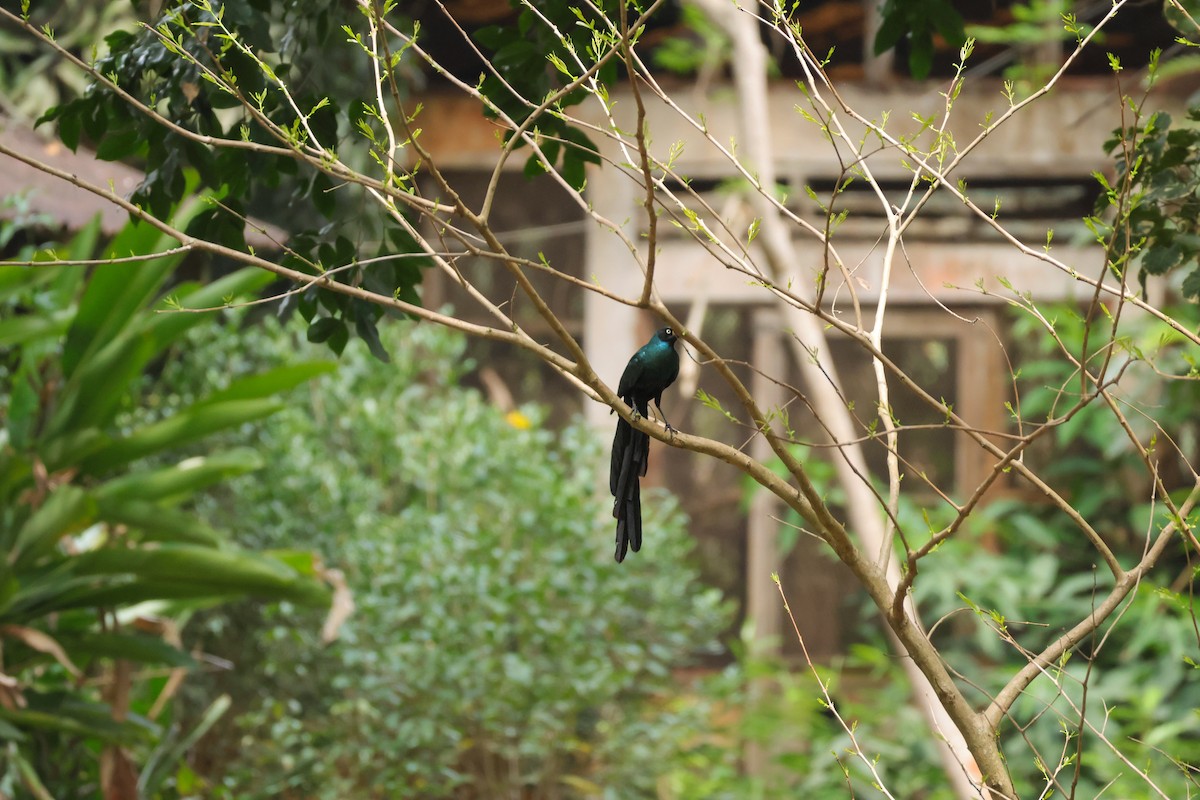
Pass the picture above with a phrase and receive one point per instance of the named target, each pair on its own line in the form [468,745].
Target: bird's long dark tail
[630,455]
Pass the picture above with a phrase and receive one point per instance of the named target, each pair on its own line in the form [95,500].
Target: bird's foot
[669,428]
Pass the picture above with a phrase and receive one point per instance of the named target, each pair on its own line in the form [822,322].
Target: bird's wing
[631,375]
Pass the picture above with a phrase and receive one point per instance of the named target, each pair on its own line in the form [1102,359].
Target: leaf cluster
[915,22]
[1156,217]
[182,68]
[549,32]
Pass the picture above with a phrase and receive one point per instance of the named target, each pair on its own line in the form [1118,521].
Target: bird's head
[667,335]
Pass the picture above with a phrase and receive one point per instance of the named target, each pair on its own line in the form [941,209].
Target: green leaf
[95,121]
[891,29]
[116,291]
[10,732]
[121,144]
[1191,284]
[1180,21]
[103,378]
[18,279]
[27,327]
[219,572]
[920,56]
[948,22]
[68,510]
[323,328]
[1159,260]
[60,712]
[69,127]
[518,58]
[65,451]
[158,523]
[128,646]
[584,148]
[83,245]
[180,480]
[364,324]
[95,389]
[304,562]
[24,406]
[178,430]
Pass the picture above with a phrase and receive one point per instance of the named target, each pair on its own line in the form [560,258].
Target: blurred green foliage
[1023,568]
[494,643]
[916,22]
[765,705]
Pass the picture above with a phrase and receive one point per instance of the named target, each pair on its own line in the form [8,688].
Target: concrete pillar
[611,330]
[763,605]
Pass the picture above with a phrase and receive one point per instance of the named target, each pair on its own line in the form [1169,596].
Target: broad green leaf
[1161,259]
[323,328]
[126,590]
[68,510]
[178,430]
[23,409]
[128,646]
[26,327]
[158,523]
[221,572]
[181,479]
[61,590]
[96,387]
[69,127]
[891,29]
[10,732]
[920,54]
[948,22]
[15,471]
[1191,284]
[69,715]
[118,145]
[369,333]
[64,452]
[1183,20]
[303,561]
[83,244]
[116,292]
[16,279]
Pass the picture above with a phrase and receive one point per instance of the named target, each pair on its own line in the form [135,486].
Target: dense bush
[495,648]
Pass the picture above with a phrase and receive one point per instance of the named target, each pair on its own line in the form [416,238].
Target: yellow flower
[518,420]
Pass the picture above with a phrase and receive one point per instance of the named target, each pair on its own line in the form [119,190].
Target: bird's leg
[664,418]
[634,413]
